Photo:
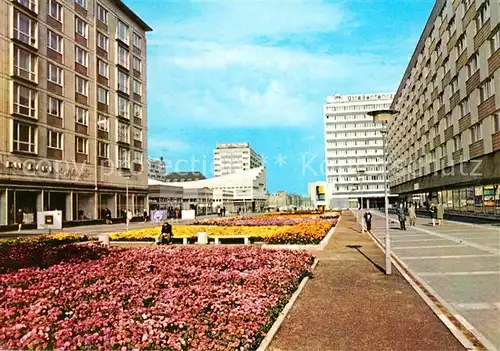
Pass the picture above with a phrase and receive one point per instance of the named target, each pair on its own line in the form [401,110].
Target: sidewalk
[352,305]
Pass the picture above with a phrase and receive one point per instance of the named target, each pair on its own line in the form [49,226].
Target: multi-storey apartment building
[353,149]
[73,108]
[444,144]
[157,169]
[236,157]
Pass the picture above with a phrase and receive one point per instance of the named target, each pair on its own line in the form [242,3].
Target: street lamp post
[358,173]
[385,117]
[127,177]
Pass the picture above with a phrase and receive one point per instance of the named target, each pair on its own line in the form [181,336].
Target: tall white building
[353,149]
[157,169]
[235,157]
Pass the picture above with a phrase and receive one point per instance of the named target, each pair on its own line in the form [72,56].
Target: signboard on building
[49,220]
[320,193]
[158,215]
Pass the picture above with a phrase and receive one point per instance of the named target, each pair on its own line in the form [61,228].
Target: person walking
[368,220]
[401,217]
[19,219]
[145,215]
[107,215]
[440,213]
[128,218]
[412,214]
[433,210]
[224,211]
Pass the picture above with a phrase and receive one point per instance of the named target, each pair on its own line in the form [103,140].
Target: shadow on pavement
[357,248]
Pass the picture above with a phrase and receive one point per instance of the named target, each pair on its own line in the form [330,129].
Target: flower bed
[263,221]
[170,299]
[306,232]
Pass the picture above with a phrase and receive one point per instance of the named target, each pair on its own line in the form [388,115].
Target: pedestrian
[128,218]
[401,217]
[107,215]
[440,213]
[19,219]
[145,215]
[412,214]
[224,211]
[433,210]
[219,211]
[166,234]
[368,220]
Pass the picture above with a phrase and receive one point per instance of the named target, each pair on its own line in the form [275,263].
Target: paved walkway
[460,262]
[352,305]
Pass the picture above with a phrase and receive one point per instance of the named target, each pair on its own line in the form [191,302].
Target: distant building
[317,192]
[236,157]
[179,177]
[281,200]
[353,149]
[157,169]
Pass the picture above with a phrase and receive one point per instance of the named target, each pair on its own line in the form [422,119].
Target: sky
[260,72]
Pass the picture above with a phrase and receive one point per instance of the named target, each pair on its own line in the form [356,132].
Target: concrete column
[115,209]
[4,207]
[69,207]
[39,201]
[132,204]
[367,204]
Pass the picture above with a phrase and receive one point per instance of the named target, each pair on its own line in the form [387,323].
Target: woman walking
[412,214]
[440,213]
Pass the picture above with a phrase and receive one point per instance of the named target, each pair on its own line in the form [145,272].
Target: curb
[318,247]
[281,318]
[465,333]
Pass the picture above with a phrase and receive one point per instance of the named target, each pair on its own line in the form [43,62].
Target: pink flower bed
[262,221]
[172,299]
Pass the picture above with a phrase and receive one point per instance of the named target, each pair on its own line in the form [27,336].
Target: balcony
[473,82]
[464,123]
[123,164]
[495,141]
[476,149]
[486,108]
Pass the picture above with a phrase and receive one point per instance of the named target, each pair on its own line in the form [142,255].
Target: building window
[137,87]
[103,68]
[446,65]
[25,29]
[457,142]
[495,42]
[136,41]
[122,56]
[447,121]
[82,145]
[25,101]
[454,85]
[25,64]
[55,10]
[55,140]
[82,3]
[122,107]
[55,42]
[102,14]
[102,96]
[472,66]
[55,74]
[122,32]
[81,27]
[137,111]
[137,157]
[123,84]
[123,133]
[24,137]
[82,116]
[461,44]
[103,149]
[54,107]
[440,100]
[123,158]
[82,86]
[137,65]
[137,134]
[476,132]
[452,26]
[30,4]
[496,122]
[486,90]
[102,41]
[483,15]
[81,56]
[103,123]
[464,107]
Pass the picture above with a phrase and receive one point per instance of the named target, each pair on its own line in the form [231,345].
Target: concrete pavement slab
[437,251]
[464,264]
[489,319]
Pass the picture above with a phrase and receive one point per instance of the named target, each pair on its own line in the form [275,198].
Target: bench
[217,239]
